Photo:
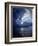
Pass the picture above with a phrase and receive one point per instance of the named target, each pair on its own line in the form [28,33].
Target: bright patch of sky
[26,17]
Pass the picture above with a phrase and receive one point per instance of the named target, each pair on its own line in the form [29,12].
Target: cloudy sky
[24,16]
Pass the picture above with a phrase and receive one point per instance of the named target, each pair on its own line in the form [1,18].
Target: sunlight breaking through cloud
[26,17]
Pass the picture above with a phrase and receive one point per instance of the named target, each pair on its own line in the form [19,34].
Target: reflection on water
[26,31]
[23,32]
